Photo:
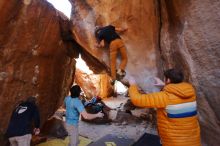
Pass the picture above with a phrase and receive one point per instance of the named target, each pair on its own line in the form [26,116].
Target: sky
[81,65]
[62,5]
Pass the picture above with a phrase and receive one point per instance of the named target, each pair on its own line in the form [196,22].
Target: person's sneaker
[120,74]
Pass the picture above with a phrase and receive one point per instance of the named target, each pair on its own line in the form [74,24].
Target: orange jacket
[176,113]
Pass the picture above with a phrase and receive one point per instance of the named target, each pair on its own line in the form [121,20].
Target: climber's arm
[100,44]
[118,29]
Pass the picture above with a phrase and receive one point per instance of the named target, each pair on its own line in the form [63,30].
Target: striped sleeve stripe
[181,110]
[183,115]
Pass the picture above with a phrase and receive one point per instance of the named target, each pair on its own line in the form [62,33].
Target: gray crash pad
[148,140]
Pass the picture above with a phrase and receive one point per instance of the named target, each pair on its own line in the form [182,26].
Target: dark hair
[31,99]
[75,91]
[97,29]
[175,75]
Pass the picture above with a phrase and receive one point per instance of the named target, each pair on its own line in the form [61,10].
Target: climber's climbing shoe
[120,74]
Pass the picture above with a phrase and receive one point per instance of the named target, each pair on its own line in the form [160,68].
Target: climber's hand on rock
[100,44]
[125,29]
[97,45]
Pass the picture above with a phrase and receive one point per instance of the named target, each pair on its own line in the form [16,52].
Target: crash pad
[59,142]
[148,140]
[112,140]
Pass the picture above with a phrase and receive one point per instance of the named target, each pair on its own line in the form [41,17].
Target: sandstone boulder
[33,57]
[190,41]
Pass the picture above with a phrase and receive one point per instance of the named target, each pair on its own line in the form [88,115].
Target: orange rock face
[140,17]
[162,34]
[88,82]
[36,60]
[94,84]
[33,57]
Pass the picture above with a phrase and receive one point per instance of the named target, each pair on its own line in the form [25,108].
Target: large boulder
[162,34]
[190,41]
[94,84]
[34,59]
[36,52]
[141,39]
[54,128]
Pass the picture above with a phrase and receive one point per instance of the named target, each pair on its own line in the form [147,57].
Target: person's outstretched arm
[81,109]
[88,116]
[100,44]
[152,100]
[99,39]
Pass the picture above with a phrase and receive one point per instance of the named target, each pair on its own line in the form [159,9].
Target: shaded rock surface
[33,57]
[186,35]
[190,41]
[54,128]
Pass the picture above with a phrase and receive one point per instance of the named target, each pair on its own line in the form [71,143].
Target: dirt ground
[124,126]
[133,131]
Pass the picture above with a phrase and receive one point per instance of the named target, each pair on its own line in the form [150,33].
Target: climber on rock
[109,35]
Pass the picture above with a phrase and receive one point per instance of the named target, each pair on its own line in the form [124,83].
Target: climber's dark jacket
[21,120]
[108,34]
